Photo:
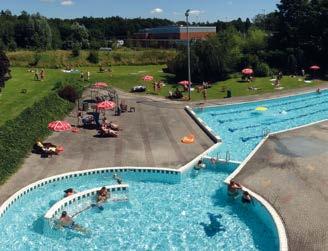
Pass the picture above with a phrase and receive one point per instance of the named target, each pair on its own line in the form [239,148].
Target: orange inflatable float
[189,139]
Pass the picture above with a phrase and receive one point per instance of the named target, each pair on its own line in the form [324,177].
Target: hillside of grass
[61,58]
[13,101]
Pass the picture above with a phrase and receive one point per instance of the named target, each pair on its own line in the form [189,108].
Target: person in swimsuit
[102,195]
[66,221]
[117,178]
[69,192]
[246,197]
[233,188]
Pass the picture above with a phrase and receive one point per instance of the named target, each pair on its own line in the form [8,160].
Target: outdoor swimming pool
[192,214]
[241,127]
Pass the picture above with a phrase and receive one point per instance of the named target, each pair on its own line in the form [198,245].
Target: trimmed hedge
[18,136]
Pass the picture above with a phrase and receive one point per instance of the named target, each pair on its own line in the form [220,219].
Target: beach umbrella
[261,108]
[184,82]
[106,105]
[59,126]
[100,85]
[247,71]
[315,67]
[148,78]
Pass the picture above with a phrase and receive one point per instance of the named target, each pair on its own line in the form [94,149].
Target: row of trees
[288,40]
[37,32]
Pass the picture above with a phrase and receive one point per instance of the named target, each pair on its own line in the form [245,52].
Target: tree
[4,69]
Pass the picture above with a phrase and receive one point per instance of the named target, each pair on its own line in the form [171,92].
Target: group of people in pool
[233,187]
[102,196]
[233,191]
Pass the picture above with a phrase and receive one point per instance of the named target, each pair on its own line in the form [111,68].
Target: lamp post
[188,51]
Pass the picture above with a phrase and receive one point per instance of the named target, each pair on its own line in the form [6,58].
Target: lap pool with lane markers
[242,127]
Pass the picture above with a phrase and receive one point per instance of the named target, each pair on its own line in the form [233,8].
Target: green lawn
[12,101]
[125,77]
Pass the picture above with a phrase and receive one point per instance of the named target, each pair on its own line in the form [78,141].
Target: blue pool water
[241,127]
[192,214]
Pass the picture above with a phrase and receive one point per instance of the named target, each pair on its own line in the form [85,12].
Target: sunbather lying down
[253,88]
[45,147]
[105,131]
[110,125]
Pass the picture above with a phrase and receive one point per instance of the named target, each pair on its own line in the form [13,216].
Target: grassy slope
[12,102]
[60,58]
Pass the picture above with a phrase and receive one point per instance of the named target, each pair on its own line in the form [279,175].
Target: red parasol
[247,71]
[100,85]
[315,67]
[106,105]
[59,126]
[148,78]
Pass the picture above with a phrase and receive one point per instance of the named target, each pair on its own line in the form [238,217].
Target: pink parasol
[106,105]
[315,67]
[184,82]
[247,71]
[100,85]
[59,126]
[148,78]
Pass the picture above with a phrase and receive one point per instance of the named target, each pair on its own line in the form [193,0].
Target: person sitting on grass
[102,195]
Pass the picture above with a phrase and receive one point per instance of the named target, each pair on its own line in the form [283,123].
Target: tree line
[290,39]
[33,31]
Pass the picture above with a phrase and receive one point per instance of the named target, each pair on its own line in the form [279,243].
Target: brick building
[175,33]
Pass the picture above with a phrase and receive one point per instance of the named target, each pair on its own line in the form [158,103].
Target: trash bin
[229,94]
[85,106]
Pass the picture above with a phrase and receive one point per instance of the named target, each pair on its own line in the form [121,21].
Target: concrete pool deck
[290,171]
[150,138]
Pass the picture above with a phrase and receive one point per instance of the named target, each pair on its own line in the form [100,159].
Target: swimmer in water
[200,165]
[117,178]
[69,192]
[66,221]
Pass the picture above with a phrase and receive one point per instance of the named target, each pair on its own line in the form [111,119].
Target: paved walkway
[150,137]
[290,171]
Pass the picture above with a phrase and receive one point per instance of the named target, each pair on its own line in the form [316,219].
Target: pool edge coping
[282,234]
[52,211]
[39,183]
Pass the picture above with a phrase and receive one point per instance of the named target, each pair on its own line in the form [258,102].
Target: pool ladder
[227,158]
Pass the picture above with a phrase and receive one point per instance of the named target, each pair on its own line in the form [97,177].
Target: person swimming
[66,221]
[200,165]
[246,198]
[102,195]
[233,188]
[69,192]
[117,178]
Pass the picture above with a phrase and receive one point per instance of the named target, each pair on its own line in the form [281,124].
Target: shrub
[69,93]
[262,70]
[76,51]
[16,140]
[93,57]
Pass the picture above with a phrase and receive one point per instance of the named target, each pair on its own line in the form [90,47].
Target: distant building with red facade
[176,32]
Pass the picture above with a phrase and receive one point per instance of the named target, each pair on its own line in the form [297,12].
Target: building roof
[178,29]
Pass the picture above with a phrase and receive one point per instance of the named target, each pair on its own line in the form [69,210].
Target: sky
[201,10]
